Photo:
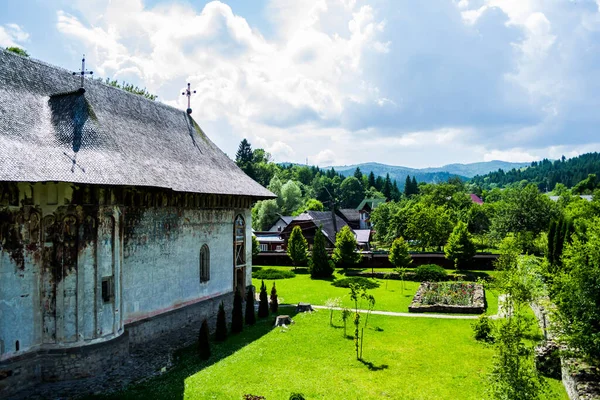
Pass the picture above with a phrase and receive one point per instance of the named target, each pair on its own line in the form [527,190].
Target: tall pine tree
[408,186]
[371,180]
[244,158]
[387,187]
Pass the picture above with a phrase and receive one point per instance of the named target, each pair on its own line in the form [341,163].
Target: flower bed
[449,297]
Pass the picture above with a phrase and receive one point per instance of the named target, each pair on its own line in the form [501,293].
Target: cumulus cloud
[12,35]
[344,81]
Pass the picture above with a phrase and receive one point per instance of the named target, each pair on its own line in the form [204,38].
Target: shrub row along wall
[484,262]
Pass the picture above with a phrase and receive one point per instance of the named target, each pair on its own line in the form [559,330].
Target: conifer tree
[237,318]
[263,306]
[250,316]
[297,247]
[274,301]
[460,247]
[371,180]
[221,331]
[319,264]
[204,342]
[414,187]
[345,254]
[387,187]
[408,186]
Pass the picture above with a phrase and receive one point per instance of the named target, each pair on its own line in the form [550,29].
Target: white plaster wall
[162,258]
[18,305]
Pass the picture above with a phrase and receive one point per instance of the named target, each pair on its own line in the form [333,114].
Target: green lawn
[405,358]
[389,296]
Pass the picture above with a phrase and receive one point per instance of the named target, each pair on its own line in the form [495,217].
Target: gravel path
[414,315]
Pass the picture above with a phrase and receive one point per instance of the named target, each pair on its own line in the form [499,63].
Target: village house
[269,241]
[120,220]
[281,223]
[364,209]
[310,221]
[351,216]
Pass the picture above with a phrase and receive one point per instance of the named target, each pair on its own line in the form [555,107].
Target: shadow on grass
[171,385]
[473,275]
[373,367]
[300,270]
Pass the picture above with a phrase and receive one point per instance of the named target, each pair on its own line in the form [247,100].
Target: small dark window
[204,264]
[108,289]
[17,346]
[239,236]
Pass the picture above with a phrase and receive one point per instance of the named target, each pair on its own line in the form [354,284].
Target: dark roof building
[351,216]
[310,221]
[281,223]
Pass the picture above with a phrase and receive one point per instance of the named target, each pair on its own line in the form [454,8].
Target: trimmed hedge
[430,273]
[271,273]
[345,282]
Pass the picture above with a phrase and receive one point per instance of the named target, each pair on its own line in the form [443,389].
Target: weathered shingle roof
[287,218]
[350,214]
[325,221]
[115,137]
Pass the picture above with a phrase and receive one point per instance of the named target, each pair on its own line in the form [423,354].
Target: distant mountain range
[429,175]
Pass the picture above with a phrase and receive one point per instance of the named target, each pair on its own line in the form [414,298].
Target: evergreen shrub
[274,301]
[204,342]
[263,305]
[237,318]
[221,331]
[271,273]
[483,329]
[250,316]
[430,273]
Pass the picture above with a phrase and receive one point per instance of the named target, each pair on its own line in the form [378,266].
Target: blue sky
[415,83]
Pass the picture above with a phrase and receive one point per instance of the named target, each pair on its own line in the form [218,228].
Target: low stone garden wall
[476,304]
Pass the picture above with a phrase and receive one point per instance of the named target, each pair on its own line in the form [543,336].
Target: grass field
[389,296]
[403,358]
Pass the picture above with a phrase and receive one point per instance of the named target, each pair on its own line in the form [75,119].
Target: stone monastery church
[119,221]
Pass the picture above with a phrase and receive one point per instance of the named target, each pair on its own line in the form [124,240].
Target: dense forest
[300,188]
[544,174]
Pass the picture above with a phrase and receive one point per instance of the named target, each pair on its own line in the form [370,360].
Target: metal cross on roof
[188,92]
[83,72]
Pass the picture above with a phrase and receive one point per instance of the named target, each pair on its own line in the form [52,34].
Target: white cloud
[416,83]
[324,158]
[515,155]
[12,35]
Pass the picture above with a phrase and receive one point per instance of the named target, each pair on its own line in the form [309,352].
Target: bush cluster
[430,273]
[358,280]
[483,329]
[271,273]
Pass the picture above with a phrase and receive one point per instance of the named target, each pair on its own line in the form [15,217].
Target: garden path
[415,315]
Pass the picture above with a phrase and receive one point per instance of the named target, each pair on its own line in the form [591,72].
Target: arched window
[239,241]
[204,264]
